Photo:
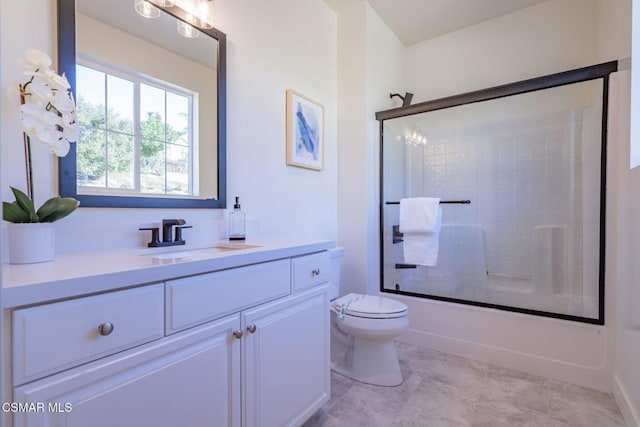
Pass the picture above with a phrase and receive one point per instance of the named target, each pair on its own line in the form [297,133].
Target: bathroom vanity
[224,336]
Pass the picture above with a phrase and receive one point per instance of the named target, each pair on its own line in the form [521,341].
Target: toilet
[363,328]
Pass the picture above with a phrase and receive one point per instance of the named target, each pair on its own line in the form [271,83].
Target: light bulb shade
[205,15]
[146,9]
[186,30]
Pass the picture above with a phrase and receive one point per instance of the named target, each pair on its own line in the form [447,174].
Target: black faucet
[167,225]
[167,240]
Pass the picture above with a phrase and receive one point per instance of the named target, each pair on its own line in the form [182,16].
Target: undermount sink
[186,253]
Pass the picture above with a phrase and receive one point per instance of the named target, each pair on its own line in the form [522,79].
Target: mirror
[151,105]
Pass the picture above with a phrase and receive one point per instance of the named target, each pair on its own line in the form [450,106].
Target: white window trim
[137,79]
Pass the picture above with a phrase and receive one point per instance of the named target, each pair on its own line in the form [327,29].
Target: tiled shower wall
[517,177]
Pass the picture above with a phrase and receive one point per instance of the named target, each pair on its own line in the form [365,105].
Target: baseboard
[586,376]
[630,413]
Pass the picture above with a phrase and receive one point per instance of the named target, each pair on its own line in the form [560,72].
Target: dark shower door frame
[594,72]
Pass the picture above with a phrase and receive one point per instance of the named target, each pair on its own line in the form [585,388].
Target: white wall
[371,62]
[619,38]
[354,232]
[4,344]
[386,74]
[268,52]
[550,37]
[626,376]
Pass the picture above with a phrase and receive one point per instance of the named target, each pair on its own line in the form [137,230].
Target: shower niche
[530,160]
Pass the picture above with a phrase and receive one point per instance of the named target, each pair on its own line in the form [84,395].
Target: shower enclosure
[522,170]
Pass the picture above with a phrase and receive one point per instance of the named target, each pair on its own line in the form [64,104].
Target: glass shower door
[530,164]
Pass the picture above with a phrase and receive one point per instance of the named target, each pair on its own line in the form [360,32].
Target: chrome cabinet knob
[315,272]
[237,334]
[252,328]
[105,329]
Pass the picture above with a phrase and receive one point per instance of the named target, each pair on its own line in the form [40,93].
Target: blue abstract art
[305,121]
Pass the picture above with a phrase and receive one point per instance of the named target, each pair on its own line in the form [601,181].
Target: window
[137,134]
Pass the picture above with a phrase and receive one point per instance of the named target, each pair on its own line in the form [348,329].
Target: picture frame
[305,132]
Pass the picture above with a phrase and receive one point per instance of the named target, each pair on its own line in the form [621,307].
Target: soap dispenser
[236,222]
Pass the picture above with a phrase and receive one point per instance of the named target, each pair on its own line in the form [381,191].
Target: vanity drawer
[58,336]
[195,300]
[310,270]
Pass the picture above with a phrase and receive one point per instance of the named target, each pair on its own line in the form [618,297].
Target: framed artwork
[305,132]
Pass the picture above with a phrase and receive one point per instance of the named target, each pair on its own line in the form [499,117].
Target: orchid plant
[48,113]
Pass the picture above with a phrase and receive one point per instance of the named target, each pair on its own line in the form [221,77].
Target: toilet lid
[369,306]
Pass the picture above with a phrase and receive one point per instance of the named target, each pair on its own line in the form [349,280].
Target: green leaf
[57,208]
[26,204]
[48,208]
[13,213]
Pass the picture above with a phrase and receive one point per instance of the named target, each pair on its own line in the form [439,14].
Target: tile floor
[444,390]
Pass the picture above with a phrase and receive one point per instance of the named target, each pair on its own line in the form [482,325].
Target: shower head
[406,99]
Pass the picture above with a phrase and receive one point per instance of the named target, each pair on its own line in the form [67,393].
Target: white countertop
[75,274]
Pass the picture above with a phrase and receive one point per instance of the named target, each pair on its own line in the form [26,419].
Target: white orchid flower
[63,102]
[40,124]
[32,73]
[71,133]
[52,119]
[36,101]
[30,125]
[40,130]
[36,59]
[61,147]
[34,110]
[70,126]
[40,90]
[48,110]
[56,81]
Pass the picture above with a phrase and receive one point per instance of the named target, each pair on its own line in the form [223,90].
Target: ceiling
[160,31]
[414,21]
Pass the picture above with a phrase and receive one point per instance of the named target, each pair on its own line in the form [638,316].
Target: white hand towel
[419,214]
[420,222]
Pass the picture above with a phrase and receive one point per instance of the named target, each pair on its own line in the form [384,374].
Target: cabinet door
[286,359]
[191,379]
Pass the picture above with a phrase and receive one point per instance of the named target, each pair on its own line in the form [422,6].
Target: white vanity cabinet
[286,359]
[190,379]
[237,347]
[52,337]
[285,342]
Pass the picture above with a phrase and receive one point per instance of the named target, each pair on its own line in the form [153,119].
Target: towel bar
[447,202]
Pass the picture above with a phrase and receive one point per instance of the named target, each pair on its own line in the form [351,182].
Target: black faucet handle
[166,228]
[155,236]
[179,232]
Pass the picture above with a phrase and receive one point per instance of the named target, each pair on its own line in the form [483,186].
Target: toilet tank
[336,255]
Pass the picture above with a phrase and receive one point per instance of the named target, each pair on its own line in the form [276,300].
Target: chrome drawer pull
[252,328]
[105,329]
[315,272]
[237,334]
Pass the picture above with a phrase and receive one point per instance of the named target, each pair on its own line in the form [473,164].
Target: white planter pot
[31,242]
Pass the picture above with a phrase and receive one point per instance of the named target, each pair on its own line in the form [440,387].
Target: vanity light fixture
[146,9]
[200,18]
[205,20]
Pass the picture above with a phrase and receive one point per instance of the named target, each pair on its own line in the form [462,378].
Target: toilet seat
[369,307]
